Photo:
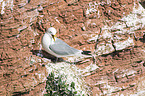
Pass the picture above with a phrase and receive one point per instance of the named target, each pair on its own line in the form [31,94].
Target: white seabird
[57,47]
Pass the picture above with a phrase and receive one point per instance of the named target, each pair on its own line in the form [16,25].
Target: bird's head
[52,31]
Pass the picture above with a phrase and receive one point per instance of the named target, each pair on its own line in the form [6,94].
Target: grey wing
[62,48]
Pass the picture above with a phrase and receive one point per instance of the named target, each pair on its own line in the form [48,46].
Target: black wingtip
[86,52]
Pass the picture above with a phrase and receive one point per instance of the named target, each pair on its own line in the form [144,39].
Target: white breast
[46,41]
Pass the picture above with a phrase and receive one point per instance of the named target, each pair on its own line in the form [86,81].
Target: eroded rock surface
[113,30]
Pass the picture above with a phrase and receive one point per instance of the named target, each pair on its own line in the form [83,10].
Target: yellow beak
[54,36]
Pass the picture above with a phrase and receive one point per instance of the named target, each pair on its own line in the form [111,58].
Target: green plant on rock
[55,86]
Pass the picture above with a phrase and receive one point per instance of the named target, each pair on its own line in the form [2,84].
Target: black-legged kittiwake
[57,47]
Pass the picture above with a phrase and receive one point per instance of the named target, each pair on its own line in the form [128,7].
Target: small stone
[83,28]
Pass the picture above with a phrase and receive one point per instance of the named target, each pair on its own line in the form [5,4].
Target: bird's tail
[86,52]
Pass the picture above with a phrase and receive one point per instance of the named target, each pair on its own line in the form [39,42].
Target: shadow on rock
[44,54]
[143,39]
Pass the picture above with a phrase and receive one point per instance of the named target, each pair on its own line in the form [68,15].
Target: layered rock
[112,30]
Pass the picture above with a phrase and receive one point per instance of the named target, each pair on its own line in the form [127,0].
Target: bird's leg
[56,59]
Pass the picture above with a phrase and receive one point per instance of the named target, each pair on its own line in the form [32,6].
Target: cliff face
[114,30]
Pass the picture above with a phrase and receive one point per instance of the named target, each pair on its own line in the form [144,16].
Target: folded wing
[62,48]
